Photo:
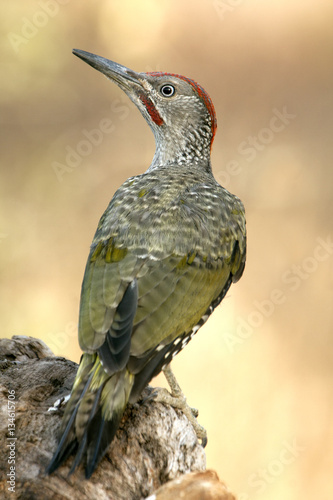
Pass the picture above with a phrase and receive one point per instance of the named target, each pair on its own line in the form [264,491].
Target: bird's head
[178,110]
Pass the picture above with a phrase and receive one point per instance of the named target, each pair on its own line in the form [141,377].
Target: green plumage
[178,241]
[164,254]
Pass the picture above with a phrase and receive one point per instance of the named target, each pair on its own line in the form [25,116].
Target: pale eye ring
[167,90]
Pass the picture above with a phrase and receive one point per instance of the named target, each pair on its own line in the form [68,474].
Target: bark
[153,445]
[194,486]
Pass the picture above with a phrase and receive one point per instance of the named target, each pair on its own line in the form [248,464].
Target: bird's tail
[92,415]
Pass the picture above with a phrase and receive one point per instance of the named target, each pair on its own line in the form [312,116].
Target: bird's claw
[163,396]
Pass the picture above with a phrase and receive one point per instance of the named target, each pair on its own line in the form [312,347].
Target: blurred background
[261,369]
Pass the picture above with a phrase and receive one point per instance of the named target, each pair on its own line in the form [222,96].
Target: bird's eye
[167,90]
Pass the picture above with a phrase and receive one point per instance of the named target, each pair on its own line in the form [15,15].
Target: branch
[154,443]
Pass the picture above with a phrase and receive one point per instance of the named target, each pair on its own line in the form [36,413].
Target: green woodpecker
[165,253]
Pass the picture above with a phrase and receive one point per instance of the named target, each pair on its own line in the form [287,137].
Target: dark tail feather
[68,442]
[92,415]
[100,434]
[83,443]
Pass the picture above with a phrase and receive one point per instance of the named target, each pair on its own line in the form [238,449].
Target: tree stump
[154,443]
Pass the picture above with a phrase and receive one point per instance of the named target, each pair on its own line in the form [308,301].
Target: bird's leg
[178,400]
[176,391]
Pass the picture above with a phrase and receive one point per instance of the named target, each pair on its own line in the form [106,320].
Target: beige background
[261,370]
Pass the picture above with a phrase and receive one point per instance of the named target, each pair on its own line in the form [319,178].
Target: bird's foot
[177,400]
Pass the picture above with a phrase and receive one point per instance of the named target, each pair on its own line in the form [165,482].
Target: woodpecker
[165,252]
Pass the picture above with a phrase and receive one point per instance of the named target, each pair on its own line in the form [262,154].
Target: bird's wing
[108,305]
[148,284]
[133,306]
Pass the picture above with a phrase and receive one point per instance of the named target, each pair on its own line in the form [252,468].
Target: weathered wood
[194,486]
[153,445]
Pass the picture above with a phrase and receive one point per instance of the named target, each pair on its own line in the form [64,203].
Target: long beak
[135,85]
[122,76]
